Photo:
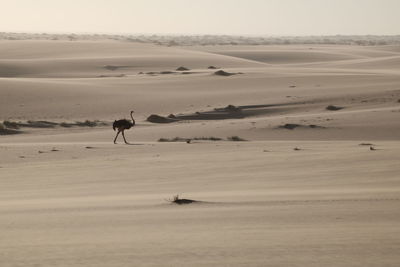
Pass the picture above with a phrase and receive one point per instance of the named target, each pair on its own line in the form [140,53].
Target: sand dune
[80,59]
[309,187]
[285,57]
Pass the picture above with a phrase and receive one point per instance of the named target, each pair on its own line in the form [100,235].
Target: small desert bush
[182,68]
[10,124]
[40,124]
[181,201]
[86,123]
[332,107]
[366,144]
[66,125]
[6,131]
[210,138]
[176,139]
[235,138]
[181,139]
[223,73]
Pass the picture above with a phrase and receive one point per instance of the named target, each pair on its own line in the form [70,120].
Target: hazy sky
[253,17]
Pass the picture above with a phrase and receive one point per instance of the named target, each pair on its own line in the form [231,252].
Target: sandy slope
[69,197]
[274,208]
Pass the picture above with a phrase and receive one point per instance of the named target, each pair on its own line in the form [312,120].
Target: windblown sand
[314,195]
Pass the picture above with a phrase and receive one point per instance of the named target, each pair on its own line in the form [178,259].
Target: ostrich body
[123,125]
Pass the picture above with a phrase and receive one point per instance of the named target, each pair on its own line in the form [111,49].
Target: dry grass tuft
[181,201]
[235,138]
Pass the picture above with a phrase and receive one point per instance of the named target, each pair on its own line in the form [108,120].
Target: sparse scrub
[235,138]
[86,123]
[366,144]
[181,139]
[176,139]
[333,108]
[49,124]
[10,124]
[223,73]
[181,201]
[291,126]
[210,138]
[66,125]
[5,131]
[232,108]
[40,124]
[160,119]
[181,68]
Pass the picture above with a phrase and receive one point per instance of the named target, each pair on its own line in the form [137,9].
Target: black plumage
[121,126]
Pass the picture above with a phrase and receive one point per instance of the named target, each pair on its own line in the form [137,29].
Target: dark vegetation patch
[235,138]
[110,76]
[210,138]
[201,138]
[48,124]
[10,125]
[365,144]
[176,139]
[39,124]
[167,72]
[160,119]
[333,108]
[182,68]
[232,108]
[7,131]
[224,73]
[181,201]
[292,126]
[228,112]
[114,67]
[86,123]
[182,139]
[289,126]
[153,73]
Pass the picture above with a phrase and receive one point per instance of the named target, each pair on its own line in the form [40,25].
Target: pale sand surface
[69,197]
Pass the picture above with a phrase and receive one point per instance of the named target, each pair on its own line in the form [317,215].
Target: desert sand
[311,186]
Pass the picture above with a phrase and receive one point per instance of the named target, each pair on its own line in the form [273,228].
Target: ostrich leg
[115,139]
[123,135]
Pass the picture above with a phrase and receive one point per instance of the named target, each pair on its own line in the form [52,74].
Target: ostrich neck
[133,121]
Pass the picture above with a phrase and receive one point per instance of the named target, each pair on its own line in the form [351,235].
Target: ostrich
[123,125]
